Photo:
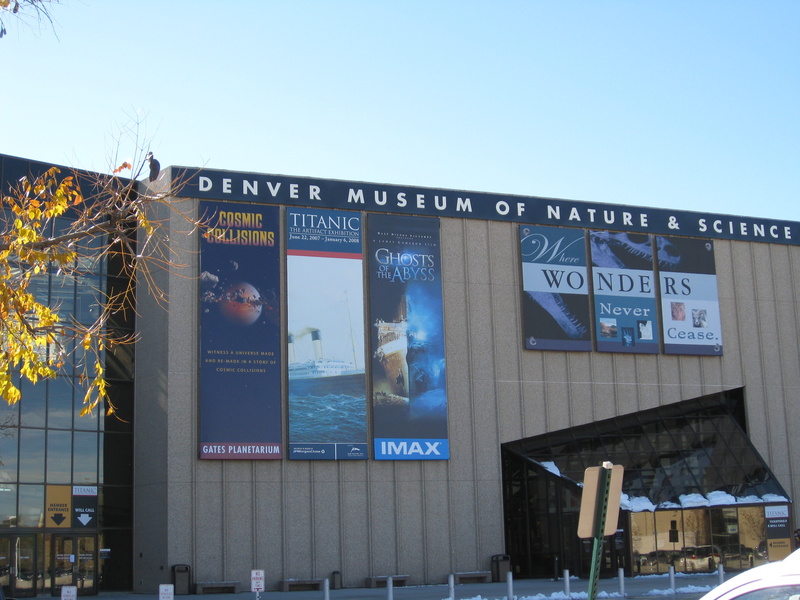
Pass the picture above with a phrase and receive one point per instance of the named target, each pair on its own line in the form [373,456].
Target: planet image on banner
[241,304]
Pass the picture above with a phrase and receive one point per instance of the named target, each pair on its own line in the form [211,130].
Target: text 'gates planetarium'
[378,379]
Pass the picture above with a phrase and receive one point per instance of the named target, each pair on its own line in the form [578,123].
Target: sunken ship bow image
[409,368]
[392,353]
[321,376]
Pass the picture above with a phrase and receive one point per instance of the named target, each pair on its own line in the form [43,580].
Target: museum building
[353,380]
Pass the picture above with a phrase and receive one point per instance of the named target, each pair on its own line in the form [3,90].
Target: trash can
[501,565]
[181,579]
[336,580]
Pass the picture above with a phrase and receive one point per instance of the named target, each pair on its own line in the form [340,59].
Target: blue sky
[690,105]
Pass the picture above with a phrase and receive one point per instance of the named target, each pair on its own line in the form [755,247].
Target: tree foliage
[21,9]
[59,224]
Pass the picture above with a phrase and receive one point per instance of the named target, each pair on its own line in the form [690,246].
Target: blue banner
[555,299]
[409,391]
[626,314]
[240,367]
[325,309]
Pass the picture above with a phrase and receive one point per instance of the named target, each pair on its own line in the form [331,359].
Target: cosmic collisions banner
[409,392]
[240,367]
[555,296]
[624,285]
[325,307]
[689,301]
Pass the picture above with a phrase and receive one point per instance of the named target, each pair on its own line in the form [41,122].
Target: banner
[689,302]
[325,307]
[409,392]
[240,369]
[624,292]
[555,298]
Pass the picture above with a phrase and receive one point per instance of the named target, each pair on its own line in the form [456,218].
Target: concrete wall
[299,519]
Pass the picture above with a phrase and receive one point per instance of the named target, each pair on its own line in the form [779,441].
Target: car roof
[784,572]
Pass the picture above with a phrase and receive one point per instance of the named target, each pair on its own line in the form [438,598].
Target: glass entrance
[18,572]
[74,562]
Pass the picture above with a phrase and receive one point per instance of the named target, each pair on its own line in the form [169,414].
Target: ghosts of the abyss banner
[555,295]
[240,369]
[409,394]
[689,300]
[325,310]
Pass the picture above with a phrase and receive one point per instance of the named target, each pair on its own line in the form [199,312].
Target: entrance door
[18,572]
[74,562]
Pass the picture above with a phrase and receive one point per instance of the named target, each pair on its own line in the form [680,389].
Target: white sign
[776,512]
[69,592]
[257,580]
[166,591]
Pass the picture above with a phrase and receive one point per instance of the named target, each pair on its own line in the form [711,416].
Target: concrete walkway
[652,587]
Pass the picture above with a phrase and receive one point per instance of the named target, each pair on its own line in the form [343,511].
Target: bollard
[509,586]
[390,588]
[326,589]
[721,573]
[621,574]
[451,584]
[566,582]
[672,578]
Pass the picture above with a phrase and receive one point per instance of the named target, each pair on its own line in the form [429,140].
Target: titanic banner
[555,290]
[240,368]
[689,302]
[626,314]
[325,310]
[409,391]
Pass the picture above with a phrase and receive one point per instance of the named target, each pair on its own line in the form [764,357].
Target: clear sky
[682,104]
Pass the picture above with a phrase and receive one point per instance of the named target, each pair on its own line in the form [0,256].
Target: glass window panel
[31,458]
[91,258]
[8,505]
[670,541]
[121,398]
[31,506]
[119,360]
[116,506]
[117,459]
[121,319]
[9,415]
[62,294]
[89,421]
[39,286]
[33,405]
[8,454]
[753,533]
[59,457]
[643,542]
[59,403]
[88,298]
[84,455]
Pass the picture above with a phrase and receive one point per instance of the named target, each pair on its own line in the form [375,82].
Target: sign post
[602,487]
[257,582]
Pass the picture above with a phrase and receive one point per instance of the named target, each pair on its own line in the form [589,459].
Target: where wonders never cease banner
[625,292]
[240,367]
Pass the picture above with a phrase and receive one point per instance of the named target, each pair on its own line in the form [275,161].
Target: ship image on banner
[409,392]
[626,314]
[325,310]
[689,301]
[240,366]
[555,298]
